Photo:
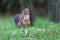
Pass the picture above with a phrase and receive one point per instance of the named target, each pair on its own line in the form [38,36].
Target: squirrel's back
[17,18]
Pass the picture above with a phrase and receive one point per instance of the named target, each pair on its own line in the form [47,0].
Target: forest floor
[43,29]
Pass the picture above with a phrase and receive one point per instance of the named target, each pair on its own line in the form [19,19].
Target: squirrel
[25,18]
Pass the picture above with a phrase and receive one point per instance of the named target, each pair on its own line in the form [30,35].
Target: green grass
[43,29]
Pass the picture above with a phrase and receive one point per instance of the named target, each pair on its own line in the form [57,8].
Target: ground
[43,29]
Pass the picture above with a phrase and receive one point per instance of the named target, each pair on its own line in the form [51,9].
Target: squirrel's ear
[23,8]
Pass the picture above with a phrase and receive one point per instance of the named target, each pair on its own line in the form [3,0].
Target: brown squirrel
[25,18]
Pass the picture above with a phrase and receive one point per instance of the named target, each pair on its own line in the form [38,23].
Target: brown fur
[21,22]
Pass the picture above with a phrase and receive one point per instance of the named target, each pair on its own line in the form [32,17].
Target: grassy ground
[43,29]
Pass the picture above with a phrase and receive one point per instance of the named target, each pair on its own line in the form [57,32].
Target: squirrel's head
[25,10]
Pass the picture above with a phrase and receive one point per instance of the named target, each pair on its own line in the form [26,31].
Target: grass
[43,29]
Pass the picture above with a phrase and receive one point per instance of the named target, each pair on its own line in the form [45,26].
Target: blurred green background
[45,12]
